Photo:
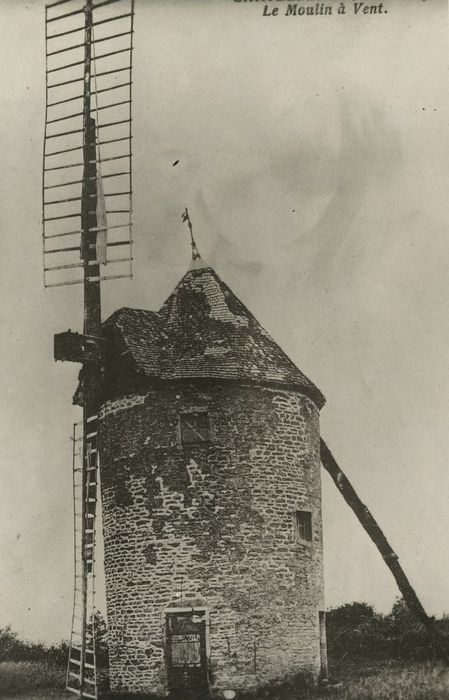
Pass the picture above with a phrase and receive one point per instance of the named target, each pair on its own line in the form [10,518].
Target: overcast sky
[313,156]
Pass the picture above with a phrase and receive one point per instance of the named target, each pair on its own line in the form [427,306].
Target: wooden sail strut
[375,533]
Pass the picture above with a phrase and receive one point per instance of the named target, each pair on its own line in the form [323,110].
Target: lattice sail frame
[111,108]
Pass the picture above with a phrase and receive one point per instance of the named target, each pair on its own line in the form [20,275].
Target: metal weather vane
[186,219]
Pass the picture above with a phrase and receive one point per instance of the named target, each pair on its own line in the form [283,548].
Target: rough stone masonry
[210,476]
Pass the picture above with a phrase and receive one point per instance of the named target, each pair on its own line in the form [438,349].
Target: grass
[26,680]
[392,680]
[22,677]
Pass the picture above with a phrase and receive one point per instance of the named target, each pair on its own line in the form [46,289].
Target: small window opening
[195,428]
[303,526]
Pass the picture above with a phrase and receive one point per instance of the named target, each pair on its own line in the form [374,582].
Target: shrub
[356,630]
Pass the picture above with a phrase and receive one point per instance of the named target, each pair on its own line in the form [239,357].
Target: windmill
[87,226]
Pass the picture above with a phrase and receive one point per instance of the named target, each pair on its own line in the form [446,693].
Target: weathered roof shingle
[204,331]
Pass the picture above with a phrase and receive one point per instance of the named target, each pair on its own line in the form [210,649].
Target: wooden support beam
[389,556]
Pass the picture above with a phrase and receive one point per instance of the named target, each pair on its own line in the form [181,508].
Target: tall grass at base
[391,681]
[26,676]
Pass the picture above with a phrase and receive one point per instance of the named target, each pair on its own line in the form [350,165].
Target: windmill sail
[110,88]
[86,213]
[102,223]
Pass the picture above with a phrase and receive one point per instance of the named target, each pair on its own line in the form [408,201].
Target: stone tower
[210,474]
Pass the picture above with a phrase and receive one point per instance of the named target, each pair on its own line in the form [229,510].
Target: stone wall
[212,527]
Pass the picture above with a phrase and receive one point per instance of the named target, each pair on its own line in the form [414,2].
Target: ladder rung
[104,2]
[61,201]
[79,46]
[51,268]
[68,116]
[75,165]
[91,418]
[67,99]
[110,53]
[67,14]
[64,133]
[64,216]
[64,150]
[106,160]
[63,184]
[90,435]
[113,87]
[113,194]
[67,65]
[65,82]
[105,278]
[73,690]
[79,63]
[87,651]
[57,2]
[103,126]
[69,31]
[112,36]
[111,19]
[89,695]
[96,228]
[69,48]
[103,177]
[122,138]
[75,661]
[62,250]
[58,235]
[109,72]
[117,243]
[73,674]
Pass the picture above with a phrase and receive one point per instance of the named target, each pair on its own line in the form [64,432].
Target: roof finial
[195,253]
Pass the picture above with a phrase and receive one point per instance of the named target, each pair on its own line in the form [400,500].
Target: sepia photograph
[225,330]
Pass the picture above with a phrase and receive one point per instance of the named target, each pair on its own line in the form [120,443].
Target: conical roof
[203,331]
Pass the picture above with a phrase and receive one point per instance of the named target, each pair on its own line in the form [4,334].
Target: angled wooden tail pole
[390,557]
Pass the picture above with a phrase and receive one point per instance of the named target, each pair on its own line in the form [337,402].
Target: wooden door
[186,653]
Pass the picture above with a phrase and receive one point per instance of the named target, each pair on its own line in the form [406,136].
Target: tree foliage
[357,631]
[14,649]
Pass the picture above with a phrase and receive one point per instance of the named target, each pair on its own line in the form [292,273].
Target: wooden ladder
[81,668]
